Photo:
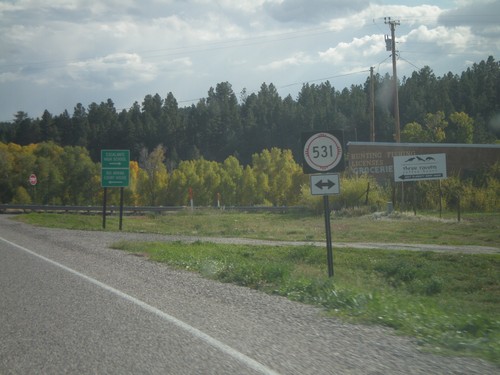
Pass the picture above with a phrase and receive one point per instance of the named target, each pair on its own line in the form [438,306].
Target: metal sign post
[104,202]
[323,154]
[328,230]
[325,185]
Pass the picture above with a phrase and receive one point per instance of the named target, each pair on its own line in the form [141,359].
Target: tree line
[68,176]
[452,108]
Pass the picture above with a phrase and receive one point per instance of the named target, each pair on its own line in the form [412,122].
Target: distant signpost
[115,168]
[419,167]
[411,168]
[322,154]
[115,172]
[33,180]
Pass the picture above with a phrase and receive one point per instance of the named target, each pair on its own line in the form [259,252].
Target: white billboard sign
[419,167]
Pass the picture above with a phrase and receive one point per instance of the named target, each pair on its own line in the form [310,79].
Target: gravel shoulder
[289,337]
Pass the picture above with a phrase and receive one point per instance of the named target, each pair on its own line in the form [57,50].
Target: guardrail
[23,208]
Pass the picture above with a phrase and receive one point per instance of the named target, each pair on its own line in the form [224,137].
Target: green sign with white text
[115,168]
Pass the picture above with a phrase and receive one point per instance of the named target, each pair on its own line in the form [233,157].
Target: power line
[409,62]
[294,83]
[322,79]
[196,48]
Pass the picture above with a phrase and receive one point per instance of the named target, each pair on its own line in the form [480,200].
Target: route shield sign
[420,167]
[115,168]
[323,152]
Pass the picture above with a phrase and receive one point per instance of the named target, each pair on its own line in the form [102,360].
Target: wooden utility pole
[392,25]
[372,107]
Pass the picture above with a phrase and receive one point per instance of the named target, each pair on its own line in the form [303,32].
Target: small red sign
[33,179]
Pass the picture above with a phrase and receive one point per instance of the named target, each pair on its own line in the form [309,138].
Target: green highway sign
[115,168]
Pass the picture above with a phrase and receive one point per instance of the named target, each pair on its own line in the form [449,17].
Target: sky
[55,54]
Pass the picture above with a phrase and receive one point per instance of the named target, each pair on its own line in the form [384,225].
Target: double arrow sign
[325,184]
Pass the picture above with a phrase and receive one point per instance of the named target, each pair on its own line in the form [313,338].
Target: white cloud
[123,47]
[247,6]
[367,46]
[9,77]
[455,39]
[118,70]
[120,29]
[296,59]
[305,11]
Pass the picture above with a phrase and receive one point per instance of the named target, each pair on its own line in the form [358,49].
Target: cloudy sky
[55,54]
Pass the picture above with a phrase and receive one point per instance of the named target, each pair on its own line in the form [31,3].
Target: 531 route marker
[322,154]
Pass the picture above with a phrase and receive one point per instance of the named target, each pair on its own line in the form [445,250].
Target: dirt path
[465,249]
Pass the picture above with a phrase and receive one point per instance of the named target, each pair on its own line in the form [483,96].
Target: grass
[449,302]
[474,229]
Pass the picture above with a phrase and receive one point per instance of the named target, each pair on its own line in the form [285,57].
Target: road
[70,304]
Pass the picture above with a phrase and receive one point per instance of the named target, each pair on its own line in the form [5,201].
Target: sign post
[115,172]
[323,154]
[33,181]
[328,231]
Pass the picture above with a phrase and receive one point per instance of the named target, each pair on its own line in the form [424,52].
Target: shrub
[479,192]
[21,196]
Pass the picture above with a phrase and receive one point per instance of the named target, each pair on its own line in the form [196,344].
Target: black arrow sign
[328,184]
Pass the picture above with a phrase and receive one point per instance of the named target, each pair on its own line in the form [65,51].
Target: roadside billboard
[377,158]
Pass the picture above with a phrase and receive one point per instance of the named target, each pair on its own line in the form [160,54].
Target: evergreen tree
[48,128]
[77,134]
[218,126]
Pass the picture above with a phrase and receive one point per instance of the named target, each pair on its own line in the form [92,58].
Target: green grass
[474,229]
[449,302]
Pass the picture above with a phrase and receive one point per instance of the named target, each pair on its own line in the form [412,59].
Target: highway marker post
[322,153]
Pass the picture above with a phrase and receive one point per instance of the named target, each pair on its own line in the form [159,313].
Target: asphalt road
[71,305]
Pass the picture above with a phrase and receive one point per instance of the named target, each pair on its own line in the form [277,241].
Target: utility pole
[392,25]
[372,107]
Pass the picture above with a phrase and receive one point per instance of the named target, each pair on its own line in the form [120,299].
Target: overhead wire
[195,48]
[322,79]
[235,43]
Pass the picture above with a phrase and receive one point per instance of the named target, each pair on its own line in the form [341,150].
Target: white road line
[249,362]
